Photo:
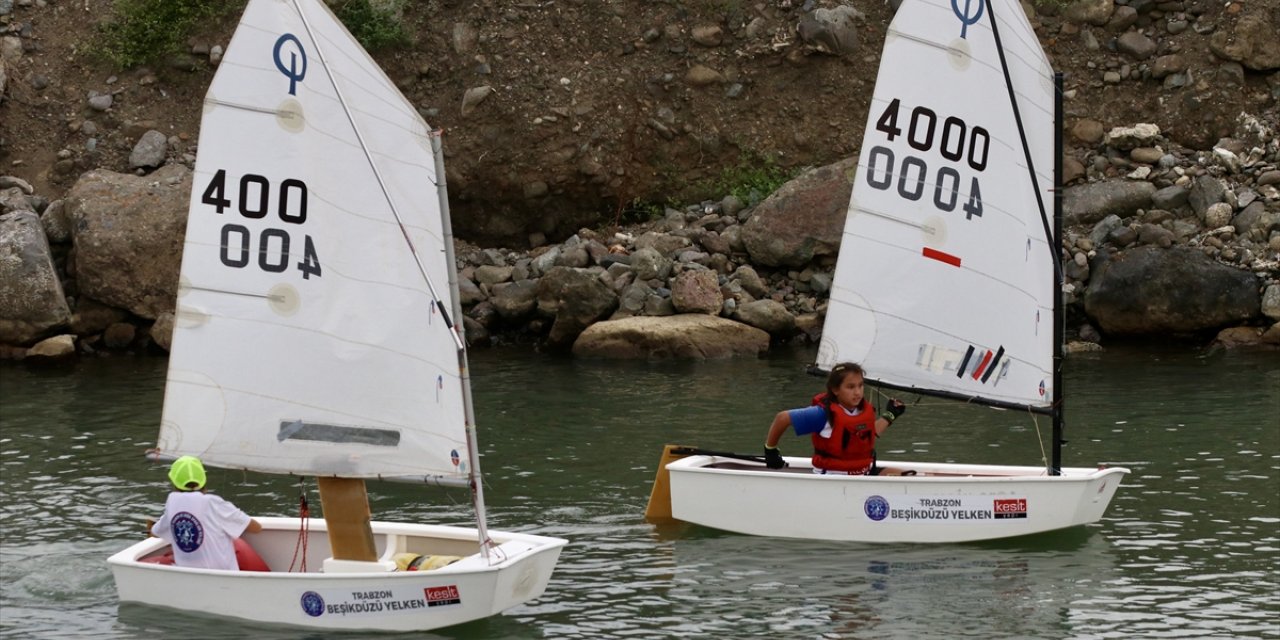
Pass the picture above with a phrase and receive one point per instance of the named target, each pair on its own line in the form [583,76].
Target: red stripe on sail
[986,360]
[941,257]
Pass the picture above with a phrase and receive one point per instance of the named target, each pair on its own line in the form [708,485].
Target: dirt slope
[593,104]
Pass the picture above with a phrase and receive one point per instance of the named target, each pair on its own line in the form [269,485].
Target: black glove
[895,408]
[773,458]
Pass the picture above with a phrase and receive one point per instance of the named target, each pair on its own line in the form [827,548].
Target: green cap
[186,470]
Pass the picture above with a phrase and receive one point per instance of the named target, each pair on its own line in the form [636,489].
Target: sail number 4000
[955,140]
[253,195]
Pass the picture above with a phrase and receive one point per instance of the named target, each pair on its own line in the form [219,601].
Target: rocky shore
[1161,243]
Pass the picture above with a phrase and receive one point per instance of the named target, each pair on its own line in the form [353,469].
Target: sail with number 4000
[946,285]
[314,337]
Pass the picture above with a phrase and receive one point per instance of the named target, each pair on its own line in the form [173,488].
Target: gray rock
[32,302]
[751,281]
[487,274]
[1136,45]
[575,298]
[665,244]
[100,101]
[1205,191]
[1170,198]
[768,315]
[473,97]
[150,150]
[1271,302]
[1103,229]
[515,301]
[649,264]
[1094,12]
[469,292]
[1089,203]
[833,31]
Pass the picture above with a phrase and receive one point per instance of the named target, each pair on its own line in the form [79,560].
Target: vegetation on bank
[751,179]
[146,31]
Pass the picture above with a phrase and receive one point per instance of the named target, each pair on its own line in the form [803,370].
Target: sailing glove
[895,408]
[773,458]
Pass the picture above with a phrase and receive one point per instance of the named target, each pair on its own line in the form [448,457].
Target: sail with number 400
[945,280]
[307,341]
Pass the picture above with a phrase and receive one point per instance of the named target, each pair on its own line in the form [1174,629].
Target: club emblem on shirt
[187,532]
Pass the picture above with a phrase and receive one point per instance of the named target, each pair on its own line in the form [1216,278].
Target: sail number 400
[253,194]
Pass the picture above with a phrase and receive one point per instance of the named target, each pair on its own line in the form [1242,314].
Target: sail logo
[440,596]
[965,18]
[982,367]
[1013,508]
[297,68]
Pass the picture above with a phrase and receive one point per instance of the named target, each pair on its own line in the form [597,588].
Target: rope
[304,529]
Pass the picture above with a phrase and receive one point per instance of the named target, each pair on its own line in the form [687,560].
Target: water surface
[1189,548]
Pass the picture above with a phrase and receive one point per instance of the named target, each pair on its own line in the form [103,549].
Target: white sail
[945,279]
[329,357]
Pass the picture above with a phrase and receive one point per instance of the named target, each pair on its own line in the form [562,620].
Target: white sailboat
[947,284]
[313,338]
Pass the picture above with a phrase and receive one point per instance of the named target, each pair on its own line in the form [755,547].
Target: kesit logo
[1014,508]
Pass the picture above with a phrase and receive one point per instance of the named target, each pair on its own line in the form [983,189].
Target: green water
[1189,548]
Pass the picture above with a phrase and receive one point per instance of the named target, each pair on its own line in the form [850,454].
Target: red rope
[304,531]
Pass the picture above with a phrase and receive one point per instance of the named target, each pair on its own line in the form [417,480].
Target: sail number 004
[956,142]
[253,201]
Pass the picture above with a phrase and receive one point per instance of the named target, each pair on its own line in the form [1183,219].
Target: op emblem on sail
[965,19]
[293,72]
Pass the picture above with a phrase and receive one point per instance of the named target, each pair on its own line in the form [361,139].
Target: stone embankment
[1161,242]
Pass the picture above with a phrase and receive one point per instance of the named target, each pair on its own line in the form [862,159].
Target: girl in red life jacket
[841,422]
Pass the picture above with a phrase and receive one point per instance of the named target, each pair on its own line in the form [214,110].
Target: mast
[1055,247]
[464,371]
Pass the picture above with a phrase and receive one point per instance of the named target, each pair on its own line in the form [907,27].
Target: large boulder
[693,336]
[802,219]
[575,298]
[31,297]
[1155,292]
[128,232]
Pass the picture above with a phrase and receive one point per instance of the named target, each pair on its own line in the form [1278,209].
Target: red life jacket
[852,444]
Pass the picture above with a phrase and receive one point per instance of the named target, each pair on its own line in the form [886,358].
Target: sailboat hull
[518,570]
[937,503]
